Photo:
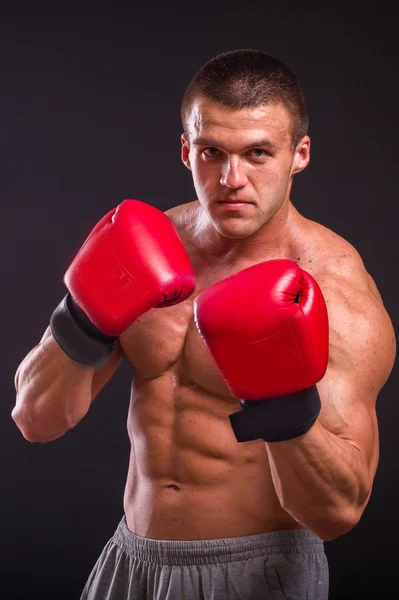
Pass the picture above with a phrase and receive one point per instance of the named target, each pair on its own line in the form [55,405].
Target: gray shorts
[277,565]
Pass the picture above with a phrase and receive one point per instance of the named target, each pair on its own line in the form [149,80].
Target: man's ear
[302,155]
[185,151]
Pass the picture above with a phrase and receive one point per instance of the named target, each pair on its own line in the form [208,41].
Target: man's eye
[258,153]
[211,151]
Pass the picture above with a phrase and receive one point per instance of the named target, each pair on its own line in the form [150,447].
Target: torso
[188,477]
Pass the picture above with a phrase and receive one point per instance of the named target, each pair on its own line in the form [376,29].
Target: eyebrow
[203,141]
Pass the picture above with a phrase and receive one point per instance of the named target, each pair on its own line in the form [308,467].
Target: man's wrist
[77,336]
[277,419]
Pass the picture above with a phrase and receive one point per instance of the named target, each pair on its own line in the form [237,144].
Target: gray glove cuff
[75,340]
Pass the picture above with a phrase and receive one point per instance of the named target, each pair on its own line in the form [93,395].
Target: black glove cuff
[277,419]
[77,336]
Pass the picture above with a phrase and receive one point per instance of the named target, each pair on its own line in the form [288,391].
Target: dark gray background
[89,116]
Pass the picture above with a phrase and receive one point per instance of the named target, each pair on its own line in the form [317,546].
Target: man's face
[242,163]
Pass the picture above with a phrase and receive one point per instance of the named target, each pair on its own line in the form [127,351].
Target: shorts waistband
[200,552]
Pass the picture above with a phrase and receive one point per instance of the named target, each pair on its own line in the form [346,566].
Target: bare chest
[166,339]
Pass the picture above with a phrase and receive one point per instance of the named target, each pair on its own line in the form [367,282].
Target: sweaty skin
[188,477]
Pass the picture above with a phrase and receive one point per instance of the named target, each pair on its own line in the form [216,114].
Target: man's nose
[233,173]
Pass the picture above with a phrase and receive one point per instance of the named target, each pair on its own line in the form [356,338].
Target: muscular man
[282,324]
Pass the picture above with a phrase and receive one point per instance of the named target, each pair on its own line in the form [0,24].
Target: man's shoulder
[360,327]
[329,254]
[339,268]
[183,215]
[187,221]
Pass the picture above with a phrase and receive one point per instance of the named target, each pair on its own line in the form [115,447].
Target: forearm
[321,480]
[53,392]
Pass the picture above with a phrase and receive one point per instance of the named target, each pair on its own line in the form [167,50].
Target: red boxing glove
[133,260]
[267,329]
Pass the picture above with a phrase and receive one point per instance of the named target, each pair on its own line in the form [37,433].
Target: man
[259,344]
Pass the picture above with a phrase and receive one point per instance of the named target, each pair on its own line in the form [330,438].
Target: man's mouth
[234,203]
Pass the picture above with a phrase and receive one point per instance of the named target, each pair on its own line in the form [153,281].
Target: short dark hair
[246,79]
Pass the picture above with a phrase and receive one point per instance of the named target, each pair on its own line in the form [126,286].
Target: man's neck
[273,240]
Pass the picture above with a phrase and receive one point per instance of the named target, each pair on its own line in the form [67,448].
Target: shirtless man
[206,515]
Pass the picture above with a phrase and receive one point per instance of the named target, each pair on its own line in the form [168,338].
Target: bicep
[362,352]
[349,411]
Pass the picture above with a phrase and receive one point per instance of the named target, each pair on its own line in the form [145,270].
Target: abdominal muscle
[188,478]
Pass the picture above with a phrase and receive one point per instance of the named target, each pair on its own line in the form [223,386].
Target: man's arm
[54,392]
[324,477]
[111,282]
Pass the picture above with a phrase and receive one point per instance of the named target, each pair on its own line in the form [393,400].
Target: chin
[239,229]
